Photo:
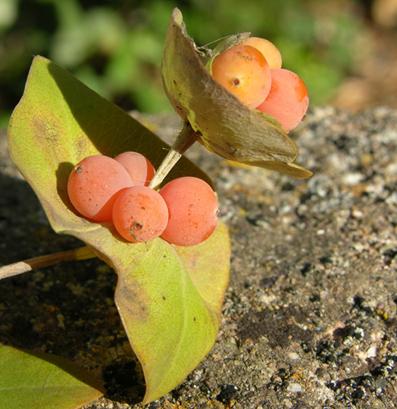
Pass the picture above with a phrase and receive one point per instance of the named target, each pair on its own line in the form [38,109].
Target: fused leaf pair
[169,298]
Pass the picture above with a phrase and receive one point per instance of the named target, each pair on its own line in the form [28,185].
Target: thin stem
[184,141]
[30,264]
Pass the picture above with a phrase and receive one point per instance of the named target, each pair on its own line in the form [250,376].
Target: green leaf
[170,301]
[42,382]
[227,127]
[169,316]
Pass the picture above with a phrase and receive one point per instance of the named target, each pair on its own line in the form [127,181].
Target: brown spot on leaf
[47,129]
[131,297]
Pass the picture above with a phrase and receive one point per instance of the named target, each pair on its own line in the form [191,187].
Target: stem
[30,264]
[184,141]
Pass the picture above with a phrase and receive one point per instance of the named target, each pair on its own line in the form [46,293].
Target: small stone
[372,352]
[227,393]
[352,179]
[294,388]
[293,356]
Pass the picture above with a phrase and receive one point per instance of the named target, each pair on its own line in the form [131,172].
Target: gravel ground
[310,316]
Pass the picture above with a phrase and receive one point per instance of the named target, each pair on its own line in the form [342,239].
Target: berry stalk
[184,141]
[20,267]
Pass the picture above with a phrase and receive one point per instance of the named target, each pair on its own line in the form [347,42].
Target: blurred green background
[115,46]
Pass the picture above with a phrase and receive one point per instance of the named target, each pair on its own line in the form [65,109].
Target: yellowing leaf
[170,325]
[226,126]
[170,302]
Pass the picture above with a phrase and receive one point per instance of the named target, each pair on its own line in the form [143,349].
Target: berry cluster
[102,189]
[252,72]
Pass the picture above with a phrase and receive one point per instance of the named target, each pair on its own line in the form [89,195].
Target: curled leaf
[170,318]
[225,125]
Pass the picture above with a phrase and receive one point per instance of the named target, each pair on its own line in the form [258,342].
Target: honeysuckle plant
[169,298]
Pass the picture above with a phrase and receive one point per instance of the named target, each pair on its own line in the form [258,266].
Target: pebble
[294,388]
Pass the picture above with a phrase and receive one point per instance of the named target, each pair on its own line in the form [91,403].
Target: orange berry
[244,72]
[287,100]
[268,50]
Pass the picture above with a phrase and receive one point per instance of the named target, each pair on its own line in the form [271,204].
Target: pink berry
[192,206]
[138,166]
[93,184]
[287,100]
[139,214]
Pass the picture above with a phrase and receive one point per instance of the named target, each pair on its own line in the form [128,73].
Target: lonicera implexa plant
[92,167]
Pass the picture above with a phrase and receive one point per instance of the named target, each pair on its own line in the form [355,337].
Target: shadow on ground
[65,310]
